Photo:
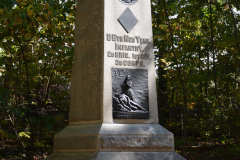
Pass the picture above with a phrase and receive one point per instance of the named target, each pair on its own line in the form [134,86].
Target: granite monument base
[117,156]
[114,142]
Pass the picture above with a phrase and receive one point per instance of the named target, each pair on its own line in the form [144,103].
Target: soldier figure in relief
[126,101]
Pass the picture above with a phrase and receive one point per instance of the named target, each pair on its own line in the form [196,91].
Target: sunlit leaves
[190,23]
[35,61]
[24,134]
[29,12]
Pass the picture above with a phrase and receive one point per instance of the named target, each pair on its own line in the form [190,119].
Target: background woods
[197,50]
[36,42]
[197,56]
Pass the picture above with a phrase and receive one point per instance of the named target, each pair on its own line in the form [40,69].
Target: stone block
[116,156]
[114,137]
[136,143]
[73,156]
[143,129]
[76,142]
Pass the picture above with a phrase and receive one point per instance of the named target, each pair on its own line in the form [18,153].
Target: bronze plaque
[130,93]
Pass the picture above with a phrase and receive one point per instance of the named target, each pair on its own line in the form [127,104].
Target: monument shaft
[102,42]
[87,73]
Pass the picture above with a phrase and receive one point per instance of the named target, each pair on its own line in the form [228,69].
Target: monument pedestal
[114,142]
[117,156]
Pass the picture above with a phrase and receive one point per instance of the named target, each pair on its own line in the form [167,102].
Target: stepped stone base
[117,156]
[114,141]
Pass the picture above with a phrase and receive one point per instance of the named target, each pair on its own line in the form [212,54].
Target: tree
[198,40]
[36,45]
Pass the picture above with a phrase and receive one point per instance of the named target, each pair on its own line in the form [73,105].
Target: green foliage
[36,48]
[24,134]
[197,60]
[198,50]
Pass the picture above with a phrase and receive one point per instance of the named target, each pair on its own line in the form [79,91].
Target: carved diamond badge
[127,20]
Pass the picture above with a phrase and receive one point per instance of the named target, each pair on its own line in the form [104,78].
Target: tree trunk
[180,77]
[214,74]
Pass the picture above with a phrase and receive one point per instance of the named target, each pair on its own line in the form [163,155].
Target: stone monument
[113,111]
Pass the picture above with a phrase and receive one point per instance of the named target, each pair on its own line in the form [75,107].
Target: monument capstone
[113,111]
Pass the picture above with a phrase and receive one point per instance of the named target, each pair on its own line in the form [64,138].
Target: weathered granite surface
[136,143]
[114,137]
[112,12]
[144,129]
[87,77]
[117,156]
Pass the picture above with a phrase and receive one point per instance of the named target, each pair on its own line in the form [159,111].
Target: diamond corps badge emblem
[128,2]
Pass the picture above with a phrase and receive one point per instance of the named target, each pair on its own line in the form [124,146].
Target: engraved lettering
[126,55]
[116,54]
[124,63]
[141,56]
[120,39]
[147,41]
[128,48]
[140,48]
[147,56]
[129,63]
[131,39]
[109,54]
[108,37]
[120,55]
[138,39]
[116,62]
[126,38]
[114,37]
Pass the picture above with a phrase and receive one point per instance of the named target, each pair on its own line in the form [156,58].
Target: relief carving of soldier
[127,101]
